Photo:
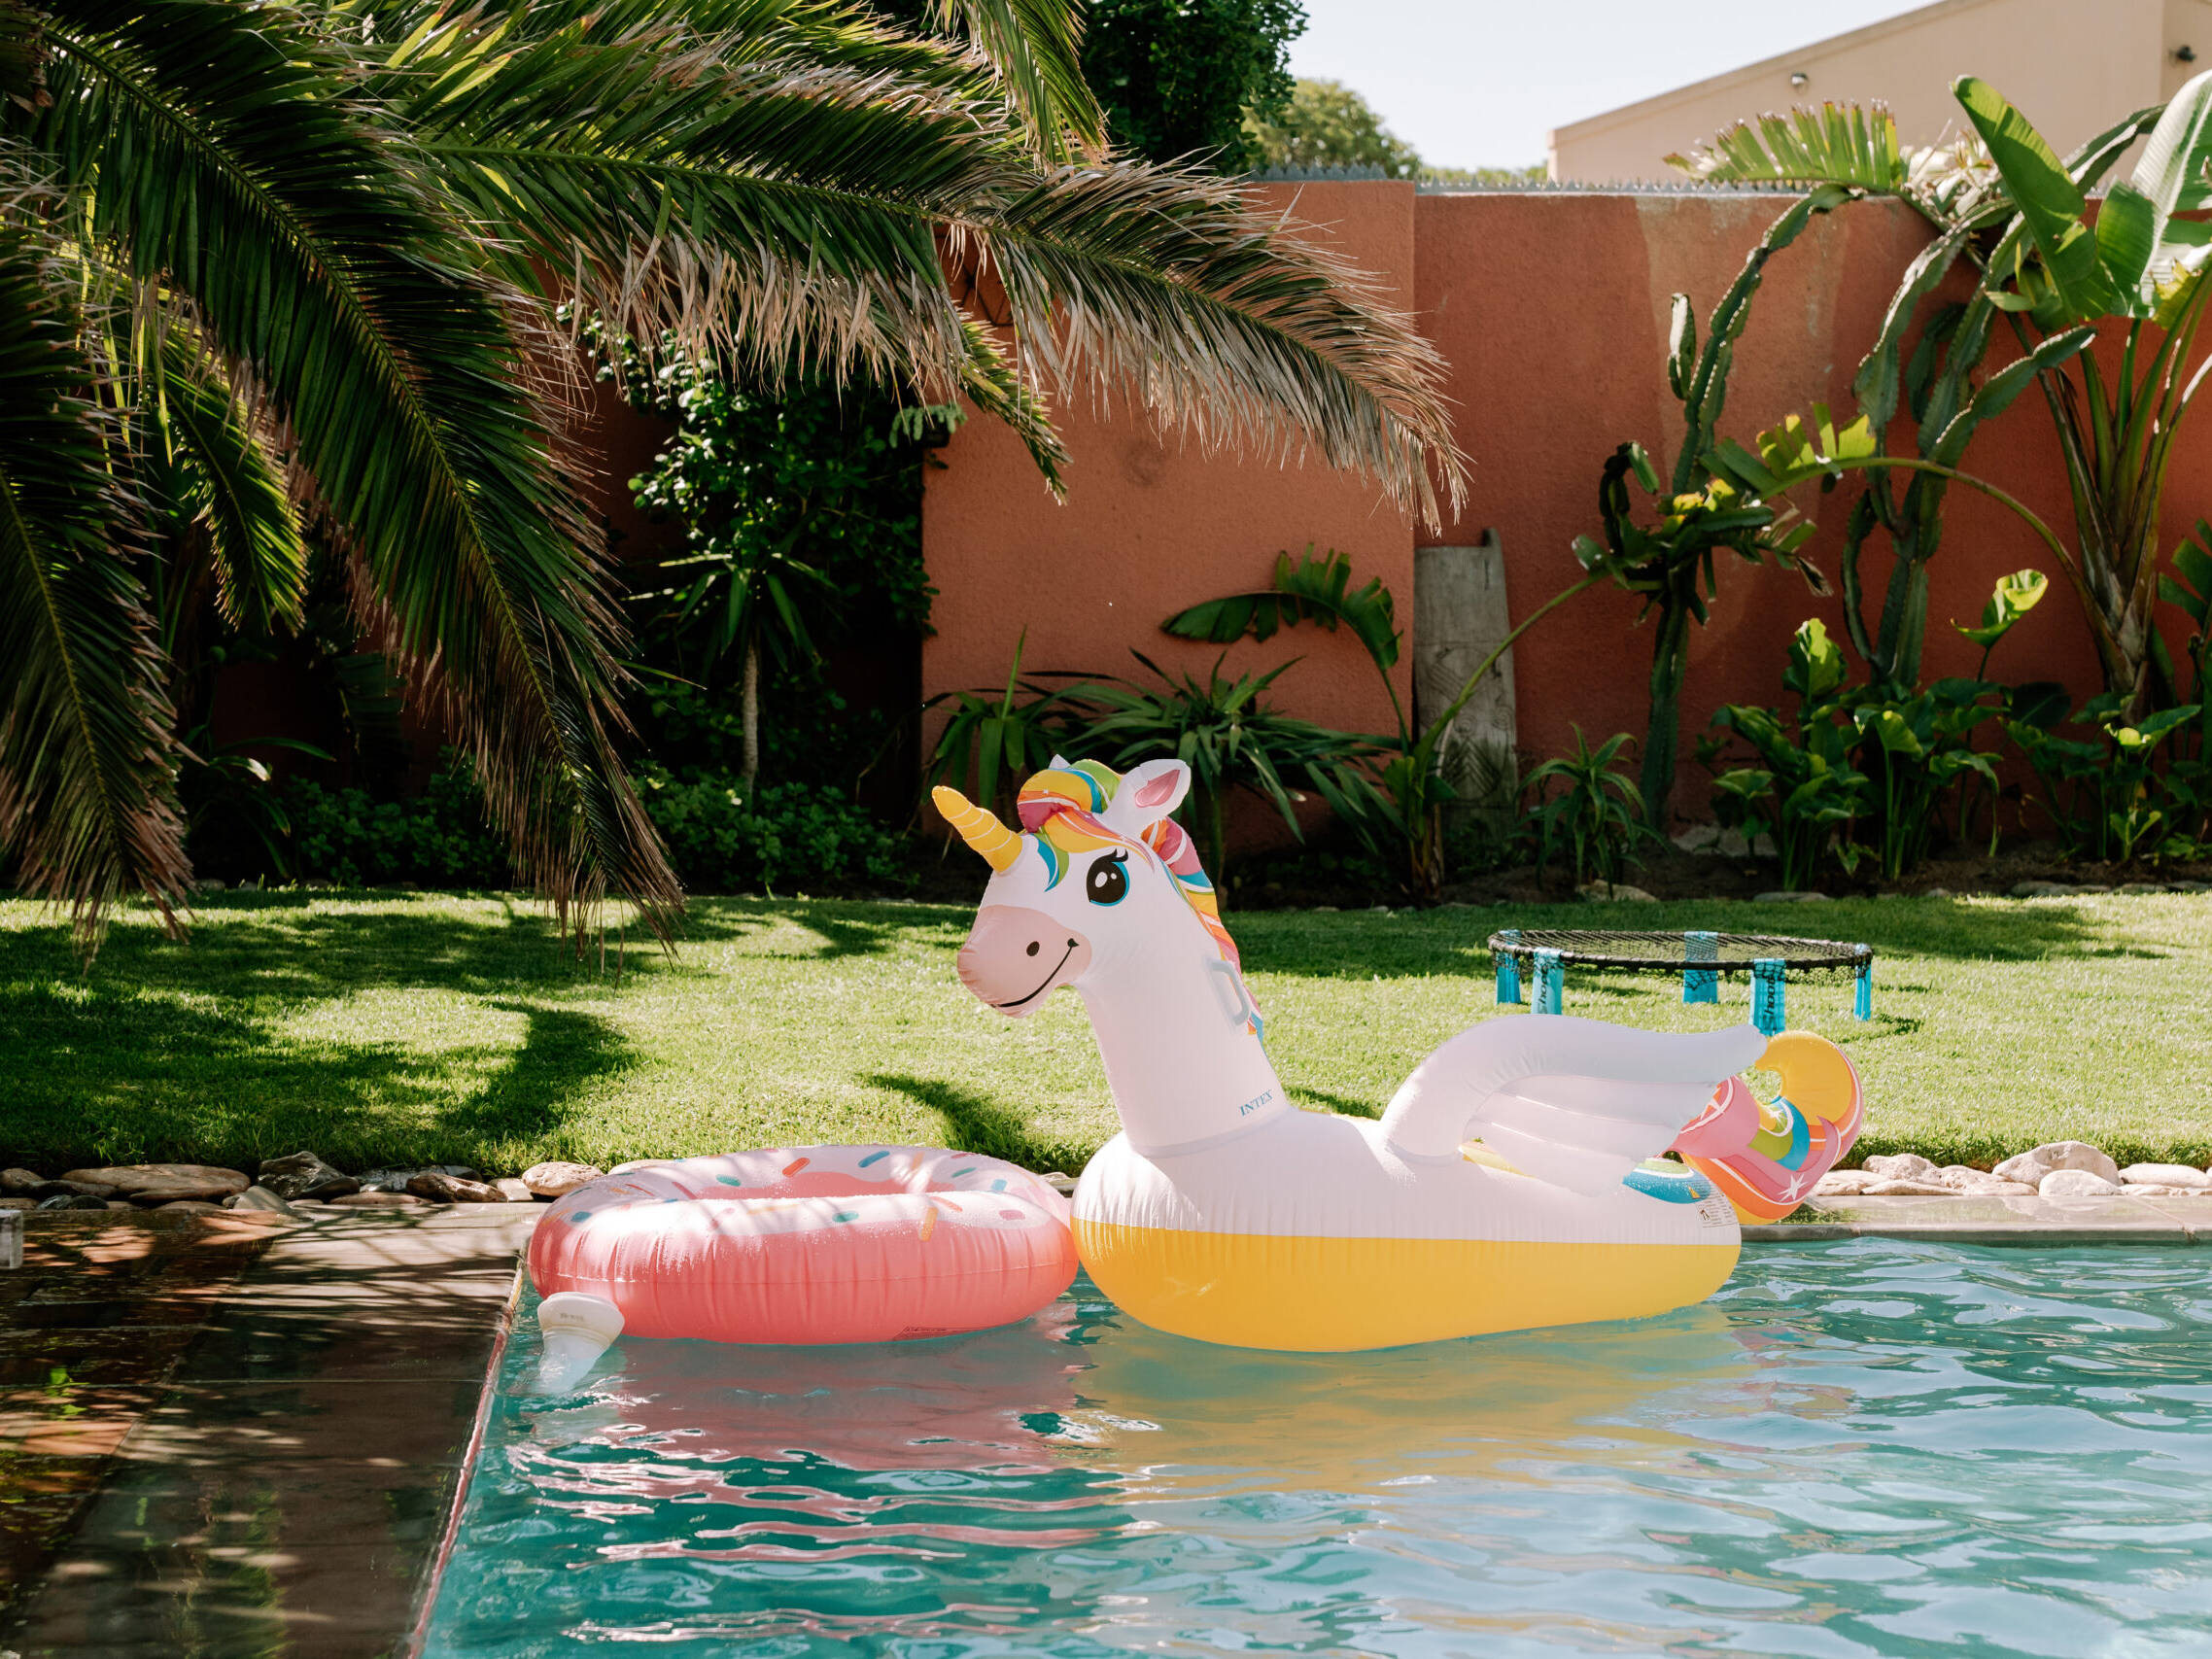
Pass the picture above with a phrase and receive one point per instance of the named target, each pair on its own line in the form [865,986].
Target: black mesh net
[1723,952]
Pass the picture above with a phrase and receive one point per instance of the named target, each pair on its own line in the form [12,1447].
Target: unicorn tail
[1767,1160]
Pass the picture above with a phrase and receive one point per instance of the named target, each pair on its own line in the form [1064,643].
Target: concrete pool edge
[2120,1218]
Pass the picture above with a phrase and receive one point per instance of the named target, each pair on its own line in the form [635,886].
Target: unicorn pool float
[1507,1186]
[1511,1184]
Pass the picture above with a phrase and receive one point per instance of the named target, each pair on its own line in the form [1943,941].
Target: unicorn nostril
[1033,947]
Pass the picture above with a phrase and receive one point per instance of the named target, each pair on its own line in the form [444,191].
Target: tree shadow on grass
[90,1074]
[975,1124]
[565,1053]
[844,927]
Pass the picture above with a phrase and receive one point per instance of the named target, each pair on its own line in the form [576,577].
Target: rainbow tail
[1767,1160]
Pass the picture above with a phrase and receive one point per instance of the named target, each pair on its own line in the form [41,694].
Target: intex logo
[1256,1102]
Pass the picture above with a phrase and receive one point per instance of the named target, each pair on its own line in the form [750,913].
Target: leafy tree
[1327,124]
[796,500]
[263,264]
[1178,77]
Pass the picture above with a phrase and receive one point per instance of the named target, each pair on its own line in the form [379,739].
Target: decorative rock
[192,1206]
[2075,1183]
[1980,1183]
[115,1204]
[1779,898]
[2072,1155]
[1698,836]
[379,1201]
[1939,893]
[72,1201]
[158,1182]
[1844,1183]
[558,1180]
[2041,890]
[1615,892]
[2178,1175]
[514,1191]
[303,1175]
[17,1202]
[395,1180]
[1898,1189]
[1900,1166]
[444,1188]
[23,1184]
[2137,889]
[260,1197]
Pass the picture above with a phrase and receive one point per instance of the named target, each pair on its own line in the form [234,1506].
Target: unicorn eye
[1108,882]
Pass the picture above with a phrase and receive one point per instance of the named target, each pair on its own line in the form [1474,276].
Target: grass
[382,1028]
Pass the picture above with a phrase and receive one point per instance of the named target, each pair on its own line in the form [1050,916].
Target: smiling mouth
[1048,979]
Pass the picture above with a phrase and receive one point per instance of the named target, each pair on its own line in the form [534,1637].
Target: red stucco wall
[1552,310]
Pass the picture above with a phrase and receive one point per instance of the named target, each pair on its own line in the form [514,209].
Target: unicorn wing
[1575,1102]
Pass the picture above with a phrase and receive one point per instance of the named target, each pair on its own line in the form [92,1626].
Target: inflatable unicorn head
[1101,890]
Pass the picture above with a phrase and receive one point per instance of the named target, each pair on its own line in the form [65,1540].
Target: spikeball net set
[1540,958]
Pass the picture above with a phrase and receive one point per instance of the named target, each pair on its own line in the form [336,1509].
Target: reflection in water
[1868,1449]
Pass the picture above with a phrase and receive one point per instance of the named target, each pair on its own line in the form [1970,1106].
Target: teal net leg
[1701,985]
[1862,994]
[1551,981]
[1768,997]
[1510,969]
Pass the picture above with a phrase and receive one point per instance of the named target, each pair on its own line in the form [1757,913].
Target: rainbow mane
[1060,807]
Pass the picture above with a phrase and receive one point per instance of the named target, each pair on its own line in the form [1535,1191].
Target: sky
[1481,82]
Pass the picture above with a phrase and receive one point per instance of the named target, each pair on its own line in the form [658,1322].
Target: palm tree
[273,273]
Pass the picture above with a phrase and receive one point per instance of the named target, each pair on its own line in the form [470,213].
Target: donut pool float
[809,1244]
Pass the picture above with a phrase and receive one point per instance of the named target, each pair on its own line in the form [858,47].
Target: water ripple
[1874,1450]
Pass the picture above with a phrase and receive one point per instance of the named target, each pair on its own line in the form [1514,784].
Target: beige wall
[2072,66]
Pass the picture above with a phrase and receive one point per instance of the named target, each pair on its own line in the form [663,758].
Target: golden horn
[979,828]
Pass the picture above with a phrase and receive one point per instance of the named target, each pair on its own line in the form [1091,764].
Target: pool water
[1876,1448]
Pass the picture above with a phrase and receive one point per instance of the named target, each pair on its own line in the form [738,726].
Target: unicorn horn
[979,828]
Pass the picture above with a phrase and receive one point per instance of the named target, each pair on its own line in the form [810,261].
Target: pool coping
[2034,1222]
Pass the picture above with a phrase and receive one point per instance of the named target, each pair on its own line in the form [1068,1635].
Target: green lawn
[388,1028]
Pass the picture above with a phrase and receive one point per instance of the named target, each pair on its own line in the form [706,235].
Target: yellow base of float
[1332,1295]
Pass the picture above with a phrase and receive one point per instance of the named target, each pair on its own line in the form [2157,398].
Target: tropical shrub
[724,837]
[441,838]
[1596,813]
[2123,789]
[1798,784]
[2007,204]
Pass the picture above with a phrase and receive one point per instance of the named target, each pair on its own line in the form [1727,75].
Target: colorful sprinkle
[796,1164]
[845,1216]
[577,1218]
[875,1156]
[998,1186]
[928,1224]
[1013,1216]
[728,1181]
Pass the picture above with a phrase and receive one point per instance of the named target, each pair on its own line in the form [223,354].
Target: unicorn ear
[1058,763]
[1148,793]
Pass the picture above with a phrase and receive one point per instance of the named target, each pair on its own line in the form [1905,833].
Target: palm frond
[779,200]
[222,478]
[223,147]
[1837,144]
[1037,47]
[87,800]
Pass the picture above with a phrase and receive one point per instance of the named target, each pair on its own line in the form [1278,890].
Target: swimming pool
[1870,1448]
